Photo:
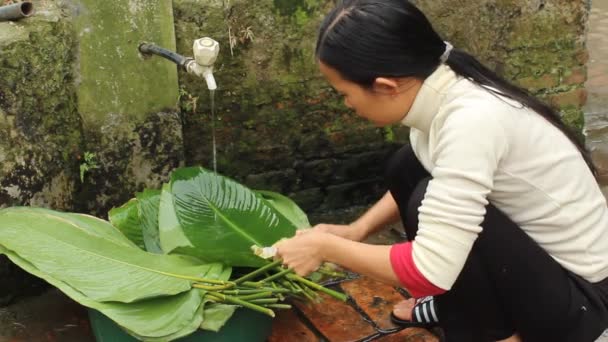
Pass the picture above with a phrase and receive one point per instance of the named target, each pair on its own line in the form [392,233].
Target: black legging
[509,283]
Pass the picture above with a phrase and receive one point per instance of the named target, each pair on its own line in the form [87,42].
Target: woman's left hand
[303,253]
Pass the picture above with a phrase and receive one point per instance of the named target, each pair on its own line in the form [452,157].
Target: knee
[415,201]
[399,164]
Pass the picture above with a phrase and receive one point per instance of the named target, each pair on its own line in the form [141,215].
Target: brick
[575,97]
[288,327]
[582,57]
[375,298]
[336,320]
[546,81]
[576,76]
[410,335]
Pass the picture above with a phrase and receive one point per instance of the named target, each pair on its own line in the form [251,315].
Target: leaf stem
[258,271]
[246,304]
[304,281]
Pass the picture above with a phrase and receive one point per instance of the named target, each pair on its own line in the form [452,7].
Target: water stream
[214,146]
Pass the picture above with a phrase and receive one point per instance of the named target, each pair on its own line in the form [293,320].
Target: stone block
[336,320]
[352,194]
[576,76]
[375,298]
[287,327]
[309,199]
[278,181]
[534,84]
[575,97]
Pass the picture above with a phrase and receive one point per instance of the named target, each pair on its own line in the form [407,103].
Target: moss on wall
[40,144]
[114,79]
[275,114]
[128,102]
[40,129]
[537,44]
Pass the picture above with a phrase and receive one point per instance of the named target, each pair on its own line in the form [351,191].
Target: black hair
[366,39]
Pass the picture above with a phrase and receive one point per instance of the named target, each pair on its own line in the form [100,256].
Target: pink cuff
[402,261]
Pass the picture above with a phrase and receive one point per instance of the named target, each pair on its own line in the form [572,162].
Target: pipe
[16,11]
[176,58]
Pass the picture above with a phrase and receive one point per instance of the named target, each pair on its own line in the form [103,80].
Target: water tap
[205,51]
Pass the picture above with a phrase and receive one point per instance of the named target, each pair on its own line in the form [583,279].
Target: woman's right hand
[350,232]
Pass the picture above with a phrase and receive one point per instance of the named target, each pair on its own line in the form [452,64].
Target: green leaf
[126,219]
[287,207]
[147,204]
[97,267]
[170,232]
[223,218]
[93,225]
[216,315]
[157,319]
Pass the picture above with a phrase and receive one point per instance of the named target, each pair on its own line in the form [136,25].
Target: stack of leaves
[167,270]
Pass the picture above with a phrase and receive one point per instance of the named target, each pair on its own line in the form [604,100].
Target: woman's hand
[350,232]
[304,252]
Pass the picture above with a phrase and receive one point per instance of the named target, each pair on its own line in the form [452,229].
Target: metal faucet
[205,51]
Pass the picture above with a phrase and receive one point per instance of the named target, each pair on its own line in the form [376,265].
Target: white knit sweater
[479,148]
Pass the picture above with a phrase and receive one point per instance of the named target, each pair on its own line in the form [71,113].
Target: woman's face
[386,103]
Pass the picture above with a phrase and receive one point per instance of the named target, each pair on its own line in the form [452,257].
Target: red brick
[576,97]
[576,76]
[336,320]
[375,298]
[582,57]
[546,81]
[288,327]
[410,335]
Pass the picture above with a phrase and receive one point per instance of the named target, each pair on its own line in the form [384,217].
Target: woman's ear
[386,85]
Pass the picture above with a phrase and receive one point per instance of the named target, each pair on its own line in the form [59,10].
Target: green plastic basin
[244,325]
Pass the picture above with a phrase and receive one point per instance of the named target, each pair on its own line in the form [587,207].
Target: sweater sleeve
[467,151]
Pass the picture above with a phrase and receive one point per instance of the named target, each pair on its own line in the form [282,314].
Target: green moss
[114,78]
[43,129]
[575,119]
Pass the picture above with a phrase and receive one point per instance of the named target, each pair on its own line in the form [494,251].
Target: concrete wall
[281,127]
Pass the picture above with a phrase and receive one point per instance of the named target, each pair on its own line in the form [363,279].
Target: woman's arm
[305,252]
[384,212]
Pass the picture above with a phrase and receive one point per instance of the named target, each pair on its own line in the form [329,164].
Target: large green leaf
[170,232]
[126,219]
[157,319]
[91,224]
[216,315]
[287,207]
[93,265]
[223,218]
[148,203]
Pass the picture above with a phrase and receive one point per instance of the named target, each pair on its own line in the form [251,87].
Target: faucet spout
[205,72]
[210,79]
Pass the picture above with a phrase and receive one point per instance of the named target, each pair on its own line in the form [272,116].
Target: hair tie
[446,54]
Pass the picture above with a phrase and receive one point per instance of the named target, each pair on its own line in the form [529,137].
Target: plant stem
[335,294]
[275,276]
[264,301]
[246,304]
[252,284]
[255,296]
[211,287]
[252,291]
[258,271]
[202,280]
[278,306]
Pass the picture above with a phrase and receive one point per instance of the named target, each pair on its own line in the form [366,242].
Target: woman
[507,227]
